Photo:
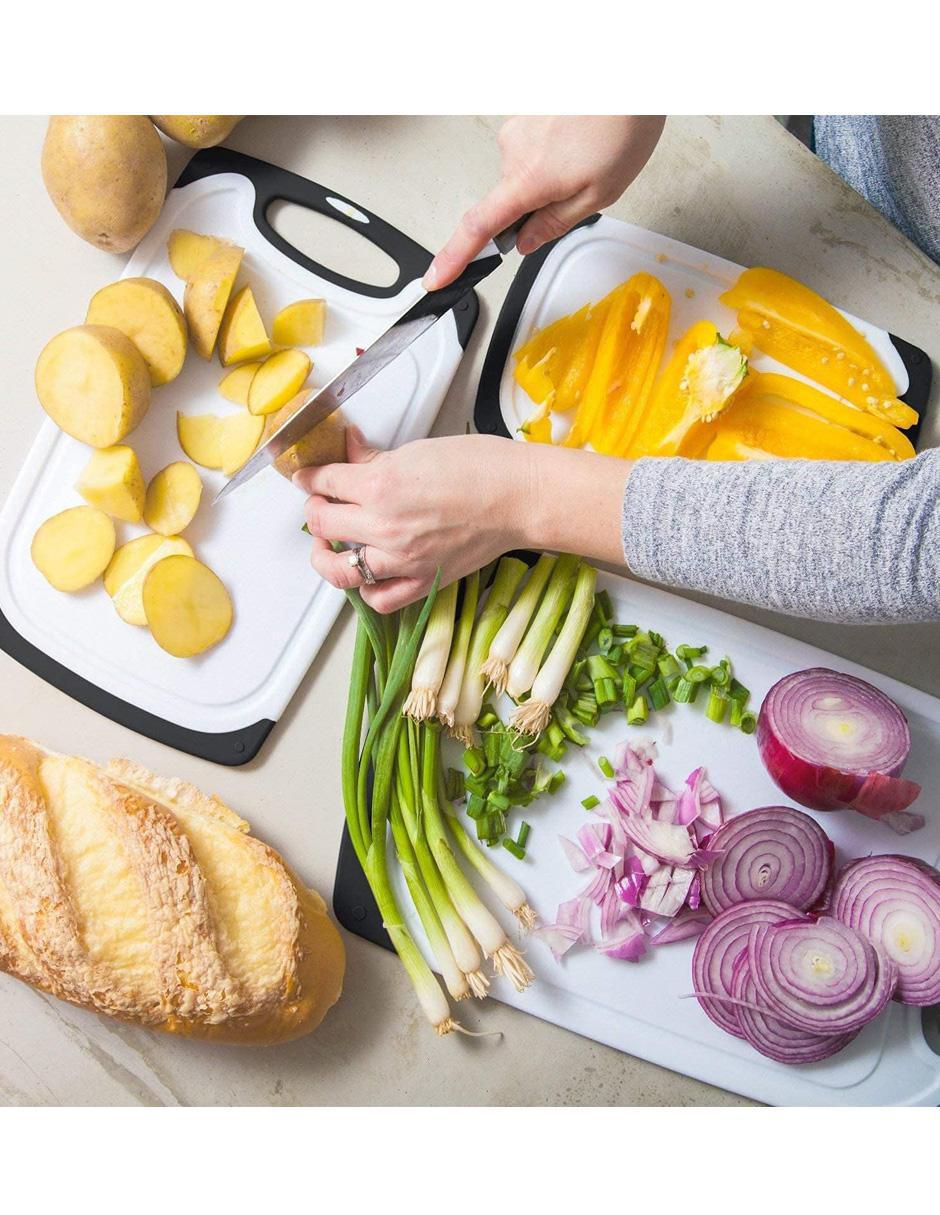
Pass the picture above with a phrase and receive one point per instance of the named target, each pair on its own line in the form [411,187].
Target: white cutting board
[592,260]
[638,1007]
[253,538]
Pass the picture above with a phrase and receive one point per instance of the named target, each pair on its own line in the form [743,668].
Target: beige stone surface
[740,187]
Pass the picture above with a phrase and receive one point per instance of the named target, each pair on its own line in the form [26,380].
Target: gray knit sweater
[845,541]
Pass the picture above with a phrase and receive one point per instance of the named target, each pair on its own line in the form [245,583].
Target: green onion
[509,892]
[449,692]
[748,722]
[524,832]
[685,691]
[737,712]
[474,761]
[533,716]
[689,653]
[606,767]
[739,692]
[432,658]
[590,802]
[495,669]
[638,712]
[604,606]
[669,667]
[624,630]
[569,726]
[658,694]
[717,704]
[454,785]
[508,575]
[721,675]
[514,848]
[524,667]
[698,674]
[628,689]
[605,639]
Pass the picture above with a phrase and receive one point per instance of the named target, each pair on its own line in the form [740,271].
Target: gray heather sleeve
[851,542]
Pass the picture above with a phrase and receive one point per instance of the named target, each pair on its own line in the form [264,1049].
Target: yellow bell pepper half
[800,329]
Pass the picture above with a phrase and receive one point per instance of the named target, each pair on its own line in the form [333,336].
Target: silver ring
[358,561]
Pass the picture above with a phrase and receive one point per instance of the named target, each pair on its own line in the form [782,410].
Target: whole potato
[106,175]
[197,130]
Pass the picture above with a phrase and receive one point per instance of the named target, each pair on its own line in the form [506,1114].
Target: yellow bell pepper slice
[629,391]
[810,400]
[764,427]
[800,329]
[698,383]
[612,347]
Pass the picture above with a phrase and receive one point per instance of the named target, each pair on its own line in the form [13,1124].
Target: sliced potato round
[172,498]
[207,294]
[277,380]
[188,250]
[94,384]
[145,312]
[242,335]
[200,436]
[324,444]
[188,608]
[72,549]
[112,481]
[235,384]
[124,577]
[300,324]
[240,434]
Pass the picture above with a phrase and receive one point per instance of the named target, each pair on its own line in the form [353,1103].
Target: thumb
[358,448]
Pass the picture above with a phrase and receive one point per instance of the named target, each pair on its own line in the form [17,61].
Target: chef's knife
[417,319]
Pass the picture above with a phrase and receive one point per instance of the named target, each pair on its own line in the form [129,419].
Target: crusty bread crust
[143,898]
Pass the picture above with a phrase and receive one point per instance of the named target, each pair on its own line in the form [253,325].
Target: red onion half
[831,741]
[771,853]
[772,1037]
[819,976]
[894,901]
[718,948]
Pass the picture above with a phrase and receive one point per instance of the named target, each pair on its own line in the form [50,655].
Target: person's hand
[456,504]
[448,502]
[561,169]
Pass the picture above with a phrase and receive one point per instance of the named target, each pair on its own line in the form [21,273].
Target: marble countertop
[740,187]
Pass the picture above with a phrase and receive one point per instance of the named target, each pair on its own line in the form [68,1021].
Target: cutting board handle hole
[334,244]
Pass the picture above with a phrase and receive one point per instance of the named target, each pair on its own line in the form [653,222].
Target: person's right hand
[561,169]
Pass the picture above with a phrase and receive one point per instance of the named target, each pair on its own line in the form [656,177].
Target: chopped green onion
[689,653]
[454,785]
[628,689]
[638,712]
[720,675]
[737,712]
[514,848]
[604,605]
[606,767]
[685,691]
[555,781]
[605,639]
[669,667]
[473,760]
[658,694]
[748,722]
[615,655]
[739,692]
[569,725]
[717,704]
[624,630]
[522,837]
[590,802]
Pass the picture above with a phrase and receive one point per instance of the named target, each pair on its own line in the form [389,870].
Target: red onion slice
[894,902]
[772,1037]
[717,949]
[772,853]
[831,741]
[819,976]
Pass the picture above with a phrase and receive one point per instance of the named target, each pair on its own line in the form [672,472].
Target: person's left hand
[453,503]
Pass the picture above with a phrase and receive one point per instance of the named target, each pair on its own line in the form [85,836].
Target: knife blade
[405,330]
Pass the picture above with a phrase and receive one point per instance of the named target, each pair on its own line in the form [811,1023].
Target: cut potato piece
[188,250]
[240,433]
[124,577]
[145,312]
[112,481]
[242,335]
[200,437]
[219,442]
[72,549]
[277,380]
[324,444]
[234,386]
[206,296]
[173,498]
[187,606]
[94,384]
[300,324]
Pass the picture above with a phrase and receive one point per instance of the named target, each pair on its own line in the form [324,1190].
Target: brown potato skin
[106,175]
[324,444]
[197,130]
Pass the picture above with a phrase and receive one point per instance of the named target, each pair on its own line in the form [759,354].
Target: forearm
[851,542]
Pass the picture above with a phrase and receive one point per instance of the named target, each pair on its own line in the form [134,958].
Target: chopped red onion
[771,853]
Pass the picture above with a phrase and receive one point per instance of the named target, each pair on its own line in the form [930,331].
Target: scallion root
[420,704]
[508,961]
[531,717]
[495,671]
[526,917]
[478,983]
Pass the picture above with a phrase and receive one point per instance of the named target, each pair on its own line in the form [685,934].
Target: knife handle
[505,241]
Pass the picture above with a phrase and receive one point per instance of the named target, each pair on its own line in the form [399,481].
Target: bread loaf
[144,899]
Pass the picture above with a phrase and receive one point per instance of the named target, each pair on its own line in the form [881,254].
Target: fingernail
[526,245]
[431,278]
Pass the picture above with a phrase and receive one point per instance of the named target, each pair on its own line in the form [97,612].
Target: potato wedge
[240,433]
[300,324]
[130,565]
[112,481]
[188,608]
[234,386]
[324,444]
[277,380]
[188,250]
[72,549]
[172,500]
[94,384]
[207,294]
[242,335]
[145,312]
